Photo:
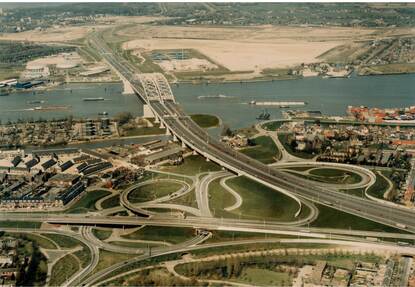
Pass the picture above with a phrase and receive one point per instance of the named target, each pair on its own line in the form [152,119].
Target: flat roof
[64,177]
[163,153]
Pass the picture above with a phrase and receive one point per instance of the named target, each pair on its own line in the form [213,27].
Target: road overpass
[196,222]
[153,89]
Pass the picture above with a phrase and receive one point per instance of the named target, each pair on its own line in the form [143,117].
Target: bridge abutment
[147,112]
[127,88]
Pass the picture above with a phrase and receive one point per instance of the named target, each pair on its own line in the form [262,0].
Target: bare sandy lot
[246,48]
[60,59]
[187,65]
[49,35]
[70,33]
[242,55]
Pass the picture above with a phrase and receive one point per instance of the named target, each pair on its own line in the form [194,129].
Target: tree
[123,117]
[226,131]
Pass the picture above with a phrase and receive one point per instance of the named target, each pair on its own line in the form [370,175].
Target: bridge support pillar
[207,159]
[127,88]
[194,152]
[175,138]
[168,132]
[156,120]
[183,145]
[147,112]
[162,125]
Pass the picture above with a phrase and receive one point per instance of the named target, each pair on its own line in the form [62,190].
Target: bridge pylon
[127,88]
[148,112]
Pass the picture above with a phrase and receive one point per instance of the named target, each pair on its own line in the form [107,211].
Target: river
[17,105]
[331,96]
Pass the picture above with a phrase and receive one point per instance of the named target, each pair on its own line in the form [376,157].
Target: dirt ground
[247,48]
[70,33]
[65,58]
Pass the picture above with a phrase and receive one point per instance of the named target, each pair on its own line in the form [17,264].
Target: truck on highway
[400,225]
[326,202]
[374,239]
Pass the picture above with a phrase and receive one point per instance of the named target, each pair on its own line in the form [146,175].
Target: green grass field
[263,277]
[9,71]
[168,234]
[248,131]
[205,121]
[192,165]
[134,244]
[272,126]
[259,201]
[220,236]
[41,241]
[331,218]
[113,201]
[107,258]
[102,234]
[63,240]
[152,191]
[144,131]
[299,168]
[332,175]
[63,270]
[188,199]
[19,224]
[83,255]
[264,150]
[219,199]
[379,188]
[87,202]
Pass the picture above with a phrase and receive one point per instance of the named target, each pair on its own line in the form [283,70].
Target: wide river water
[331,96]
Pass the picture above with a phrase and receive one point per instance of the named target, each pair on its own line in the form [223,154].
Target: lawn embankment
[205,121]
[192,165]
[87,201]
[263,149]
[259,201]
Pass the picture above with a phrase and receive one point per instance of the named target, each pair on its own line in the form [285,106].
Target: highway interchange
[201,218]
[180,125]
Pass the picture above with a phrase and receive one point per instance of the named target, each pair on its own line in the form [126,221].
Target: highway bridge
[154,90]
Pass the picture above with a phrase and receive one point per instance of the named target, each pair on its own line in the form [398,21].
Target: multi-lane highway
[182,127]
[208,223]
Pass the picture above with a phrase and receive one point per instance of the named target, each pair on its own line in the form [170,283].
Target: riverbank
[101,143]
[17,106]
[330,96]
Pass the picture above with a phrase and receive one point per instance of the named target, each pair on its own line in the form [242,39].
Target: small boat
[35,102]
[102,113]
[93,99]
[220,96]
[50,108]
[264,116]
